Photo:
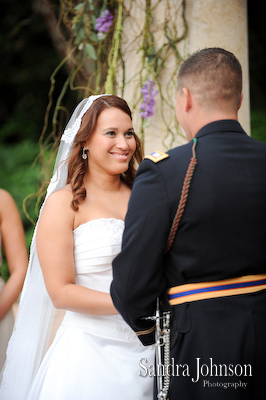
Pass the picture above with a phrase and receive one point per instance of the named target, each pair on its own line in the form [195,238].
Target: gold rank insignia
[157,156]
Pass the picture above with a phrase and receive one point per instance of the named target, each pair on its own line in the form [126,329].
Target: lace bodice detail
[113,225]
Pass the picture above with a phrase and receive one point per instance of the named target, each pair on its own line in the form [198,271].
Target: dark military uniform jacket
[221,235]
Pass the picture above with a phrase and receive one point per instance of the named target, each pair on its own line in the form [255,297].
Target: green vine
[114,52]
[154,62]
[93,61]
[96,63]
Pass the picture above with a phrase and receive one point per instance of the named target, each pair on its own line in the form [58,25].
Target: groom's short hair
[214,77]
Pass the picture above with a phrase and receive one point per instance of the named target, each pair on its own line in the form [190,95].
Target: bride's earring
[84,153]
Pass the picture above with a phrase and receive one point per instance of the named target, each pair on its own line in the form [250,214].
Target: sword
[162,350]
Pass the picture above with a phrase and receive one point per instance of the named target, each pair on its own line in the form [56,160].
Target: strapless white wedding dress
[94,357]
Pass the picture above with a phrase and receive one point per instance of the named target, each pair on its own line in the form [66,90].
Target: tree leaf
[90,51]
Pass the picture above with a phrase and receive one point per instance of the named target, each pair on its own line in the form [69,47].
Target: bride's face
[112,144]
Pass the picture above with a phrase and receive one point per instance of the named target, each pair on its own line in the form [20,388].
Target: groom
[214,274]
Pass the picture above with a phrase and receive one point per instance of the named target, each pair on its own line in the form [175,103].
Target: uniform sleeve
[138,269]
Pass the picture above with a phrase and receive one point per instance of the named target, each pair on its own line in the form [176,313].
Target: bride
[95,354]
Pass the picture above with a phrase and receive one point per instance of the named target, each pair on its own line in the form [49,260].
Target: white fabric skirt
[94,358]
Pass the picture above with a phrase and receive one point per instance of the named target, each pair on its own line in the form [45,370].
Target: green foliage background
[28,59]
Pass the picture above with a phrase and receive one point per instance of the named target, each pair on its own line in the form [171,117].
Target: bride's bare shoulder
[59,195]
[60,199]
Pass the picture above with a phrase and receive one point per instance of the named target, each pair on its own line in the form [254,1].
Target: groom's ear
[187,99]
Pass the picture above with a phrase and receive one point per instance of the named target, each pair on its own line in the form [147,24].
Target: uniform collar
[225,125]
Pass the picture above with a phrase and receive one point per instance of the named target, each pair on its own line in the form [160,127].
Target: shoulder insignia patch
[157,156]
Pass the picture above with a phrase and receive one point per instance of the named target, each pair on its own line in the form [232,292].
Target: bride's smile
[112,144]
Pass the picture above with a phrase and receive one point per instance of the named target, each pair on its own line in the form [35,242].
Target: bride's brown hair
[77,166]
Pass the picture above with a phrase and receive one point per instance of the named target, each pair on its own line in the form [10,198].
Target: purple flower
[148,104]
[104,21]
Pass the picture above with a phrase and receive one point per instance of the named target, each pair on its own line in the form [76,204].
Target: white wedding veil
[30,339]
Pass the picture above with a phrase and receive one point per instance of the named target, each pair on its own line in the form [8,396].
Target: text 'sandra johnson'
[202,370]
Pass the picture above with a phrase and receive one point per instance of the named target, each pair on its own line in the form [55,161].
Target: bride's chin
[120,171]
[121,167]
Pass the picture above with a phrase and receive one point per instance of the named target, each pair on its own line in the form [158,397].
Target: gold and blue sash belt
[209,290]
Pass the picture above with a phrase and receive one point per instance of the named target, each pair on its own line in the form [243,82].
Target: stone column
[210,23]
[222,23]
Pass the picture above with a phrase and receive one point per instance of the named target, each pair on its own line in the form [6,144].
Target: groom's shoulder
[162,158]
[156,156]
